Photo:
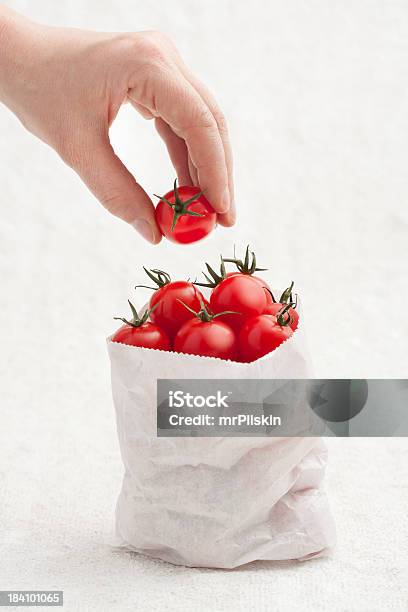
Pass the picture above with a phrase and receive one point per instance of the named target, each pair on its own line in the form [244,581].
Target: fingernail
[225,200]
[145,229]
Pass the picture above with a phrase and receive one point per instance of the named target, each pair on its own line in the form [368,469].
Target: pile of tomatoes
[239,320]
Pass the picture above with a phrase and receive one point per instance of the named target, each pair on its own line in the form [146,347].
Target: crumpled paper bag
[215,502]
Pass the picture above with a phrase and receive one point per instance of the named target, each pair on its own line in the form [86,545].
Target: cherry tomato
[261,335]
[260,281]
[294,315]
[210,338]
[184,215]
[286,298]
[141,332]
[147,335]
[263,284]
[248,266]
[170,314]
[273,308]
[241,294]
[165,303]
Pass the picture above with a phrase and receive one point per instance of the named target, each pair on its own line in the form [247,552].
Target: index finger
[190,118]
[227,219]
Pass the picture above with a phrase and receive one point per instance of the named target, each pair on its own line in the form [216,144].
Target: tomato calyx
[179,206]
[204,314]
[248,266]
[159,278]
[286,297]
[283,318]
[213,278]
[136,320]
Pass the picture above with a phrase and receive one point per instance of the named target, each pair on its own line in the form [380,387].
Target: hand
[66,86]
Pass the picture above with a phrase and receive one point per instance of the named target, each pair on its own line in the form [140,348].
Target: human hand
[66,86]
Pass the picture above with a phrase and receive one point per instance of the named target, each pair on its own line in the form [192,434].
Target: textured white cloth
[316,97]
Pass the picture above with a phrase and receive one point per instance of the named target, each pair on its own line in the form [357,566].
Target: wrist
[5,18]
[15,35]
[7,27]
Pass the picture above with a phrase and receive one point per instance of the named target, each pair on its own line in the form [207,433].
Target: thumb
[117,190]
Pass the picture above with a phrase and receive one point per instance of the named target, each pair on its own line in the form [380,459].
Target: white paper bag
[215,502]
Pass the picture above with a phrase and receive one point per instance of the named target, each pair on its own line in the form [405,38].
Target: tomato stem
[248,266]
[136,320]
[213,279]
[159,277]
[204,314]
[180,206]
[271,294]
[286,297]
[281,317]
[287,294]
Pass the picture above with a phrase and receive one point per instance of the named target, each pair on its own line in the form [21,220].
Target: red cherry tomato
[285,300]
[147,335]
[184,215]
[294,315]
[169,313]
[207,338]
[261,335]
[248,266]
[239,293]
[273,308]
[263,284]
[140,332]
[259,280]
[166,310]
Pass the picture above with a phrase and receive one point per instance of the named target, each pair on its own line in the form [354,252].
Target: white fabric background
[316,96]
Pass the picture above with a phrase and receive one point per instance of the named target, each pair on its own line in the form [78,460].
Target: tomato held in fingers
[207,336]
[184,215]
[141,332]
[168,312]
[261,335]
